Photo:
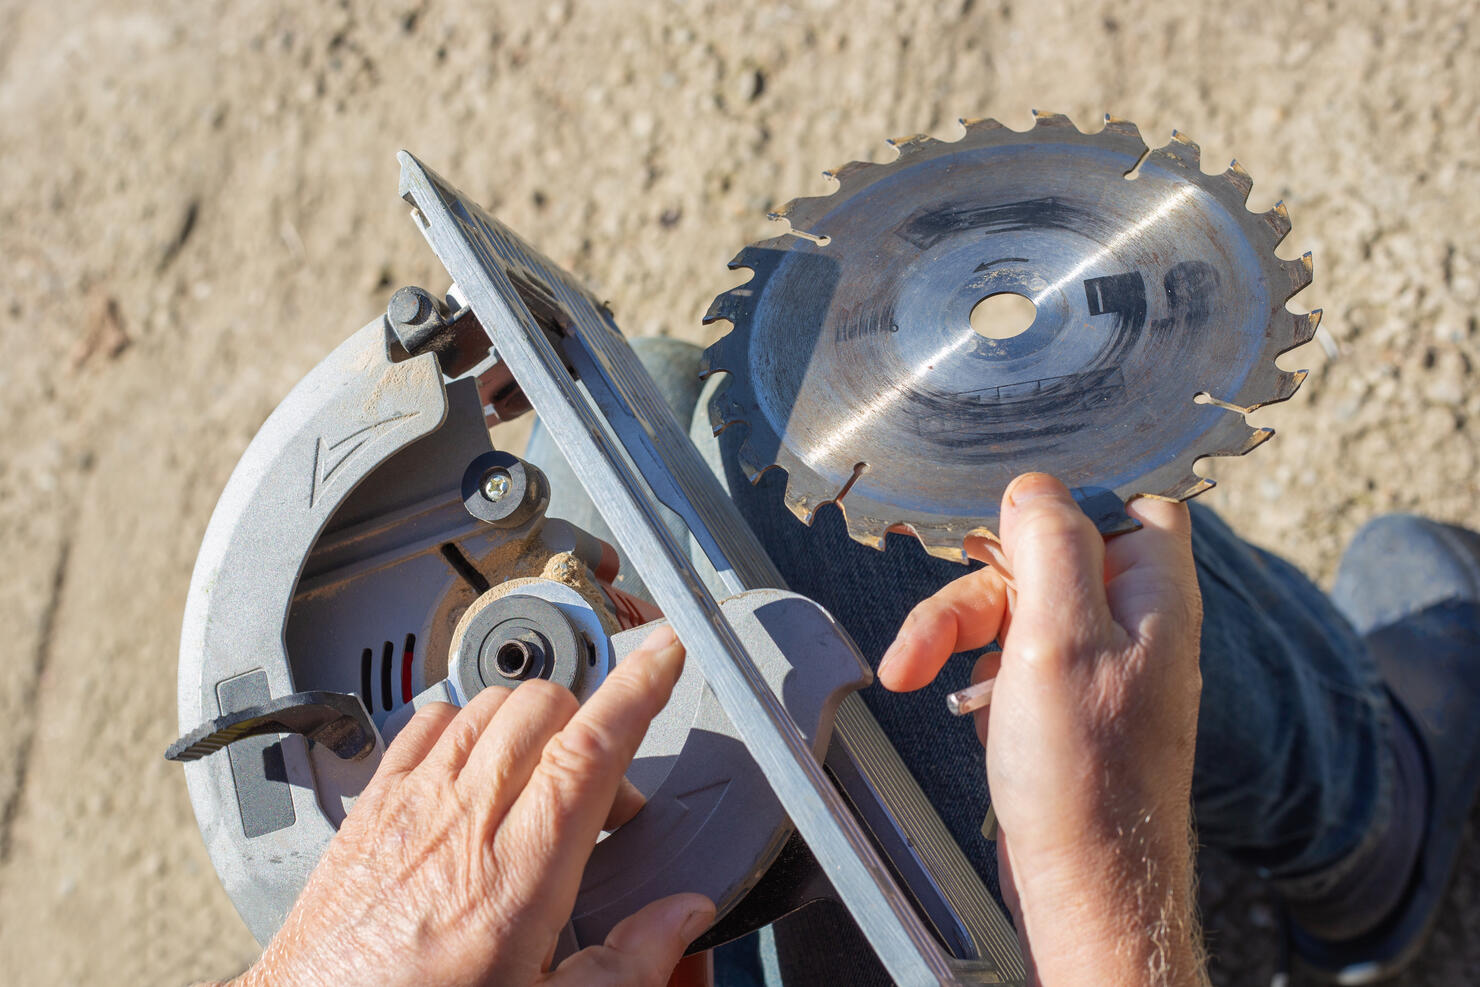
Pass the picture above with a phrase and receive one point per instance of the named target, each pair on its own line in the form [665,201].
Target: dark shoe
[1413,588]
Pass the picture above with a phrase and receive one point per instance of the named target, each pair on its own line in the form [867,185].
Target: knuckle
[460,737]
[1055,523]
[489,696]
[556,698]
[632,687]
[580,751]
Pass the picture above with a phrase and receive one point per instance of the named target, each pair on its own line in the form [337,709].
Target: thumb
[643,948]
[1058,562]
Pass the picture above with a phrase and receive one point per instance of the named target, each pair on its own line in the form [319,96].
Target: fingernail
[891,653]
[1031,486]
[698,920]
[660,639]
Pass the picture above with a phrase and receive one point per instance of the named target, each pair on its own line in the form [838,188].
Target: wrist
[1120,911]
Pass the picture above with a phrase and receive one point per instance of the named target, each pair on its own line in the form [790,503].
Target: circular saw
[373,552]
[1159,310]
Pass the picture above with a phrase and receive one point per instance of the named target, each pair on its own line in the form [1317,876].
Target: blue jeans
[1292,770]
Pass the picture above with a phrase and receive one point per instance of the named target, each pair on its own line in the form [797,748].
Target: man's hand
[460,862]
[1090,732]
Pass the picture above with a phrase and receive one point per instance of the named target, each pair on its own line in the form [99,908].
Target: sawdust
[508,568]
[563,568]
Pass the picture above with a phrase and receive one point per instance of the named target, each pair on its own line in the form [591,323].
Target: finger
[627,803]
[508,750]
[553,824]
[1151,570]
[986,667]
[416,739]
[643,948]
[1058,563]
[458,737]
[965,614]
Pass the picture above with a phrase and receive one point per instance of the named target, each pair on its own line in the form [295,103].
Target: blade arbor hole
[1003,315]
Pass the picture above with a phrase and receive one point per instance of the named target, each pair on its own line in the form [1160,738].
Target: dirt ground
[199,201]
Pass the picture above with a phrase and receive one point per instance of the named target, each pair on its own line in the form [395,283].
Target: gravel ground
[199,202]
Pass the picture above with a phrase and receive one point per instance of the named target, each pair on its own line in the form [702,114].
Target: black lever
[335,719]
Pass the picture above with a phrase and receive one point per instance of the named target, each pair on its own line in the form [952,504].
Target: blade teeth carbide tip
[1237,178]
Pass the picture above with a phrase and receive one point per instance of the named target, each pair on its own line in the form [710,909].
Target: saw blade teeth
[753,465]
[801,501]
[844,172]
[730,306]
[724,409]
[1181,150]
[725,354]
[1234,437]
[941,541]
[744,259]
[1188,486]
[866,531]
[982,126]
[1123,128]
[1052,121]
[1299,273]
[803,213]
[912,145]
[1287,383]
[1303,328]
[1122,135]
[1277,221]
[1238,180]
[762,256]
[1267,385]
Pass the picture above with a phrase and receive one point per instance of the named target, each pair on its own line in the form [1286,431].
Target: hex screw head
[496,485]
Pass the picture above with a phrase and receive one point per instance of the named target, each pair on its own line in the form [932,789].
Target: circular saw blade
[1160,310]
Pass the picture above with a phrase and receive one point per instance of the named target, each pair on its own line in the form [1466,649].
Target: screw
[410,307]
[496,485]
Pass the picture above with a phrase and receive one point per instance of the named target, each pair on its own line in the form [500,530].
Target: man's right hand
[1090,733]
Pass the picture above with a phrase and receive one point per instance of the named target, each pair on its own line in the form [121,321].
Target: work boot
[1411,587]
